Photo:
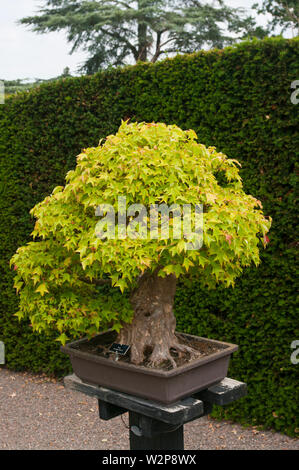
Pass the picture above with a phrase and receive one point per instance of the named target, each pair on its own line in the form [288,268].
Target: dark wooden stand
[154,426]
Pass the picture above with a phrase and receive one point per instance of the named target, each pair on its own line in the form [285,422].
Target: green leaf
[42,289]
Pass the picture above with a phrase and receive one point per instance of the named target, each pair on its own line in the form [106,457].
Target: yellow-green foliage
[148,164]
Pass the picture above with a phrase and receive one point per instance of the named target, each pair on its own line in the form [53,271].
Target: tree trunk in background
[142,39]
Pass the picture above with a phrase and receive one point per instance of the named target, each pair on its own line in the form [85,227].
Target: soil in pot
[100,346]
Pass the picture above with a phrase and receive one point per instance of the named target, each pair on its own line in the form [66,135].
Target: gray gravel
[36,412]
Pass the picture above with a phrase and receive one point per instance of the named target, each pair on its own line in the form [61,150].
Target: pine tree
[121,32]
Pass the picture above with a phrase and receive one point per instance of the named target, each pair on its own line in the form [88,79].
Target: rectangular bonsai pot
[158,385]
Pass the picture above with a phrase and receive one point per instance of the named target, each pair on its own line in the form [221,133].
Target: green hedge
[237,99]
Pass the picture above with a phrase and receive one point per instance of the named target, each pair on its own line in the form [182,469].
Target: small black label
[119,348]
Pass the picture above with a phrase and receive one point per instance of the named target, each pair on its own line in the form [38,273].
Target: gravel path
[36,412]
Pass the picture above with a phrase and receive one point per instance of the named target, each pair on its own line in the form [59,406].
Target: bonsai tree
[80,279]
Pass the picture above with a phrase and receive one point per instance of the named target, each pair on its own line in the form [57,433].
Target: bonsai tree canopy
[78,280]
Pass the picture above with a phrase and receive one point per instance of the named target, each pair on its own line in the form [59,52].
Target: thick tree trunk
[153,327]
[142,39]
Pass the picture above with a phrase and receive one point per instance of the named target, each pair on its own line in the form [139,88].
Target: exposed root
[183,349]
[159,356]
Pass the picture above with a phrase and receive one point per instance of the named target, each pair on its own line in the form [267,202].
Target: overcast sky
[25,54]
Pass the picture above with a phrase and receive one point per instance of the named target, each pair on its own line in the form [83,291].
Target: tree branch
[158,47]
[124,4]
[120,38]
[292,15]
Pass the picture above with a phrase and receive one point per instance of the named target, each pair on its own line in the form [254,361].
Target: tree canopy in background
[121,32]
[19,85]
[285,13]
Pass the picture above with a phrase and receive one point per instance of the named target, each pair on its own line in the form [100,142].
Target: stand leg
[154,435]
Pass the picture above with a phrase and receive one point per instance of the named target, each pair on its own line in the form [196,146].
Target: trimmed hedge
[237,99]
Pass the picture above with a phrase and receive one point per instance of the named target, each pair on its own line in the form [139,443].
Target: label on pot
[121,349]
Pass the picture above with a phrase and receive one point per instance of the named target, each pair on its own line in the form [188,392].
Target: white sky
[25,54]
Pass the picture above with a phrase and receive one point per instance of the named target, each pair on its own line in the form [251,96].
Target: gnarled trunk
[153,327]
